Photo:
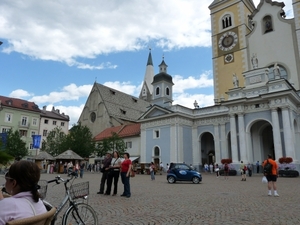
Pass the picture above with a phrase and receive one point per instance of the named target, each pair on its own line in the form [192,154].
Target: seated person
[22,184]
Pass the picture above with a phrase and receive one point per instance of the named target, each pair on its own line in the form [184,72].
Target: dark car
[183,172]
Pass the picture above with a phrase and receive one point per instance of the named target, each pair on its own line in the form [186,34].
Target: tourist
[125,175]
[113,174]
[272,176]
[22,184]
[104,170]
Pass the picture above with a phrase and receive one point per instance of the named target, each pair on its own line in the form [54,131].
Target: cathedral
[256,73]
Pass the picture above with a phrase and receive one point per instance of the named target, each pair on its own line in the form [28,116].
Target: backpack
[268,168]
[245,167]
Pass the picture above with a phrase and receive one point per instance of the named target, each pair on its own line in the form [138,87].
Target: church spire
[149,62]
[146,91]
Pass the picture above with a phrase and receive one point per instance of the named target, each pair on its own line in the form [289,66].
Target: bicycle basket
[79,190]
[43,188]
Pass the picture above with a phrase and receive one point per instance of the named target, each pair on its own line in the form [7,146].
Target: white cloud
[73,112]
[182,84]
[71,29]
[68,93]
[20,93]
[188,100]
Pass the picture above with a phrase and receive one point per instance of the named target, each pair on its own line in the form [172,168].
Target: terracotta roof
[122,131]
[18,103]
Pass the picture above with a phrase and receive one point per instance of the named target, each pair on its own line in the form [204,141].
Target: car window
[182,167]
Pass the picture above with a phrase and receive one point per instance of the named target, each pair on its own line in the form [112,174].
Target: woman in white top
[22,184]
[113,174]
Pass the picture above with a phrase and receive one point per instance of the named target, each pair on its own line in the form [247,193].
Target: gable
[155,111]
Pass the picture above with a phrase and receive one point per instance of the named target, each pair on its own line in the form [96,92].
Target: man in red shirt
[272,177]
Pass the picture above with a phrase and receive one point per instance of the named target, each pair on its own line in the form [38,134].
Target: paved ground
[214,201]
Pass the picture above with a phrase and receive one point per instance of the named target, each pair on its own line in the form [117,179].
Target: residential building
[52,119]
[21,115]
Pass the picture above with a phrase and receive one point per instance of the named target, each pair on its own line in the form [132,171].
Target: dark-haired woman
[114,173]
[22,184]
[126,166]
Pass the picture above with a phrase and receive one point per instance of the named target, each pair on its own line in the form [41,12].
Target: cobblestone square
[213,201]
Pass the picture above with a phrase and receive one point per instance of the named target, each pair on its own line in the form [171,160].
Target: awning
[134,158]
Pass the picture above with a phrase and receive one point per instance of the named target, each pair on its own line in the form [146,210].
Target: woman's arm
[129,169]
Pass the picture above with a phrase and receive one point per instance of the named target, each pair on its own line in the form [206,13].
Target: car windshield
[182,167]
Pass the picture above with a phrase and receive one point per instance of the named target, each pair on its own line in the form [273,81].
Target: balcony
[23,125]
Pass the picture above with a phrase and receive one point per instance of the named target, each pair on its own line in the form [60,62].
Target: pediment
[155,111]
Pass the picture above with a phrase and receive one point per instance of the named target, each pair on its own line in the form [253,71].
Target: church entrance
[261,140]
[207,148]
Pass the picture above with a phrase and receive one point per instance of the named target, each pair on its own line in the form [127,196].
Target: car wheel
[171,179]
[196,180]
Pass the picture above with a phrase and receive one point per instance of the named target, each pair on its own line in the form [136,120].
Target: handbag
[111,170]
[217,169]
[132,173]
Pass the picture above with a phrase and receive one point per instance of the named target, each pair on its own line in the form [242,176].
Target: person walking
[257,167]
[161,165]
[104,170]
[126,167]
[249,168]
[206,167]
[243,171]
[65,167]
[81,169]
[217,170]
[271,175]
[226,171]
[211,168]
[152,169]
[113,174]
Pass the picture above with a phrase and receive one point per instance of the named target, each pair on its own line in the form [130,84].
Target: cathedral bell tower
[230,24]
[162,87]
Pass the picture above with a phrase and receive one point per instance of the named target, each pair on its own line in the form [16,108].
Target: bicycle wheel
[83,215]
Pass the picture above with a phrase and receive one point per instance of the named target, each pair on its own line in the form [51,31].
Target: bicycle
[78,212]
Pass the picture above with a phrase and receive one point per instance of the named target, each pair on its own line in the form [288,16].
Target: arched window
[267,24]
[156,151]
[157,91]
[226,21]
[277,70]
[167,91]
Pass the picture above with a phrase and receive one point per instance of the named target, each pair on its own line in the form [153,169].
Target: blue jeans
[152,175]
[125,181]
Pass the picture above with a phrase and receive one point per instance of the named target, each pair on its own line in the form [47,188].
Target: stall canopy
[69,154]
[44,156]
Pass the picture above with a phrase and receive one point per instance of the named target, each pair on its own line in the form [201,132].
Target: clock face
[228,41]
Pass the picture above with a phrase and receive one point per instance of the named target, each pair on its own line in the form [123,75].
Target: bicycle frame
[66,199]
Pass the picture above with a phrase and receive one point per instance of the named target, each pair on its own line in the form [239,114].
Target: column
[243,150]
[196,148]
[217,143]
[233,139]
[276,134]
[223,142]
[288,139]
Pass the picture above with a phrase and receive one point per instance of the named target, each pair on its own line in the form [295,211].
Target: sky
[54,51]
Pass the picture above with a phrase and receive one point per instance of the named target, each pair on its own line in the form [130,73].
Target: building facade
[28,119]
[256,109]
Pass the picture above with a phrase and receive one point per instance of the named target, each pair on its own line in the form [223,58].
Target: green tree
[55,141]
[15,146]
[111,144]
[80,140]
